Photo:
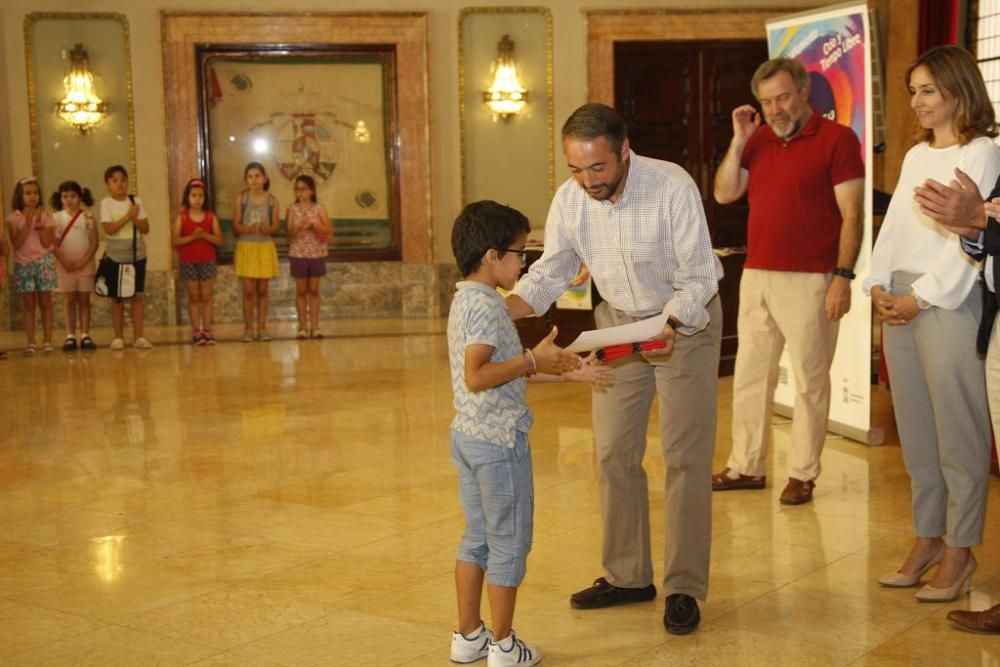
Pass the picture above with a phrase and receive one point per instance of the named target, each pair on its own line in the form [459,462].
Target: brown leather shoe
[723,482]
[797,492]
[985,622]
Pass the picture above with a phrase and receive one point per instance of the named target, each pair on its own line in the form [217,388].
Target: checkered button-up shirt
[649,252]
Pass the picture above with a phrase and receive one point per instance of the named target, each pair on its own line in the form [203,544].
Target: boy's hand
[592,372]
[550,358]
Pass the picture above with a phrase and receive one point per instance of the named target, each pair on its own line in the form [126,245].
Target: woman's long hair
[957,75]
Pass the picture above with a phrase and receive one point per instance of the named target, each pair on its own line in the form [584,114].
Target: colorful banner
[834,46]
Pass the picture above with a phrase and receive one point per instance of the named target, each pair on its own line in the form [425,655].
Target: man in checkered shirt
[639,225]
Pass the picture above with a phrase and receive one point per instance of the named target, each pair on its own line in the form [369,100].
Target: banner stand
[834,45]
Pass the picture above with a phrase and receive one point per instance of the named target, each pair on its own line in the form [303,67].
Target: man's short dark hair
[483,225]
[594,120]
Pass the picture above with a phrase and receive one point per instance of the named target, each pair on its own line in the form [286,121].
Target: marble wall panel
[159,306]
[349,290]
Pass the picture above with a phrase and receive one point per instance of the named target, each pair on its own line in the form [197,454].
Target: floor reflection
[293,502]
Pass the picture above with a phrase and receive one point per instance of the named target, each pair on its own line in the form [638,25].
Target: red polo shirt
[794,222]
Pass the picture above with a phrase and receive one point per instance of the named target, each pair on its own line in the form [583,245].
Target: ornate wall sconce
[506,96]
[81,107]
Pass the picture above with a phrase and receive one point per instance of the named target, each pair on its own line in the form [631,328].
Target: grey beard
[793,129]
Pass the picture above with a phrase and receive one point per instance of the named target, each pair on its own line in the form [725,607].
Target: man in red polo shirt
[805,181]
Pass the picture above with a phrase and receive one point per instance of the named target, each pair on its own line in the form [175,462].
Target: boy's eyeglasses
[522,253]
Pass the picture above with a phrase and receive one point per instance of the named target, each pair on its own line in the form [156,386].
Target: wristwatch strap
[844,273]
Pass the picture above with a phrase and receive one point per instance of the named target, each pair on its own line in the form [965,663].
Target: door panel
[677,98]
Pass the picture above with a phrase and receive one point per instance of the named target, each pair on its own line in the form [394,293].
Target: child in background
[32,233]
[76,244]
[489,435]
[309,232]
[125,223]
[196,235]
[255,221]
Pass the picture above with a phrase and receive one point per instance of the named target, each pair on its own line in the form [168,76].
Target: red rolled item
[615,351]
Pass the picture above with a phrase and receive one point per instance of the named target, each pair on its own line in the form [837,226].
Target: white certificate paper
[635,332]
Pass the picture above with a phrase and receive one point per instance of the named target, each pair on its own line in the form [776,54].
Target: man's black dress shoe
[682,615]
[602,594]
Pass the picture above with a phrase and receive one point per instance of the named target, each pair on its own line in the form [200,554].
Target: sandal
[247,336]
[70,344]
[88,343]
[302,334]
[47,348]
[317,334]
[30,350]
[263,336]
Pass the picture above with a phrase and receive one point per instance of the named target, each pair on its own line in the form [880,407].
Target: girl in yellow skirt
[255,221]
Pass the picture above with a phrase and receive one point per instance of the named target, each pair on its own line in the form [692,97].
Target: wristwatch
[844,273]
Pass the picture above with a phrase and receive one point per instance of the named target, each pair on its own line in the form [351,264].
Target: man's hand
[992,208]
[746,120]
[838,298]
[957,206]
[550,358]
[667,335]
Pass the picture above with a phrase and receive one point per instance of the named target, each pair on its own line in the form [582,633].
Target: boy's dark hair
[114,169]
[595,120]
[483,225]
[310,183]
[185,198]
[70,186]
[263,172]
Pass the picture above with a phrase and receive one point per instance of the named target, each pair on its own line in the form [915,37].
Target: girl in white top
[75,246]
[925,289]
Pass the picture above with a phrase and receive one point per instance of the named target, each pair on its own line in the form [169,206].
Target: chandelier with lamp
[81,107]
[506,96]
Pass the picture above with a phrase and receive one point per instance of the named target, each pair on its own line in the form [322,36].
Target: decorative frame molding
[550,97]
[607,26]
[181,31]
[29,22]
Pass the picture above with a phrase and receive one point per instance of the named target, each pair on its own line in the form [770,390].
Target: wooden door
[678,97]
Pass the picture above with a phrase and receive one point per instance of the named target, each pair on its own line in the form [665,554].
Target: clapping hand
[958,206]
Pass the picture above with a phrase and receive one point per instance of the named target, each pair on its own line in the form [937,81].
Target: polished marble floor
[293,503]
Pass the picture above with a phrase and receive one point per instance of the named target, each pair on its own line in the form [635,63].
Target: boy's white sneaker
[117,344]
[512,651]
[474,647]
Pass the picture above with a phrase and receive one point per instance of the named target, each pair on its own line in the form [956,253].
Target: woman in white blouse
[926,291]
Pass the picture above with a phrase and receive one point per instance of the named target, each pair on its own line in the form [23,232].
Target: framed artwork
[321,111]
